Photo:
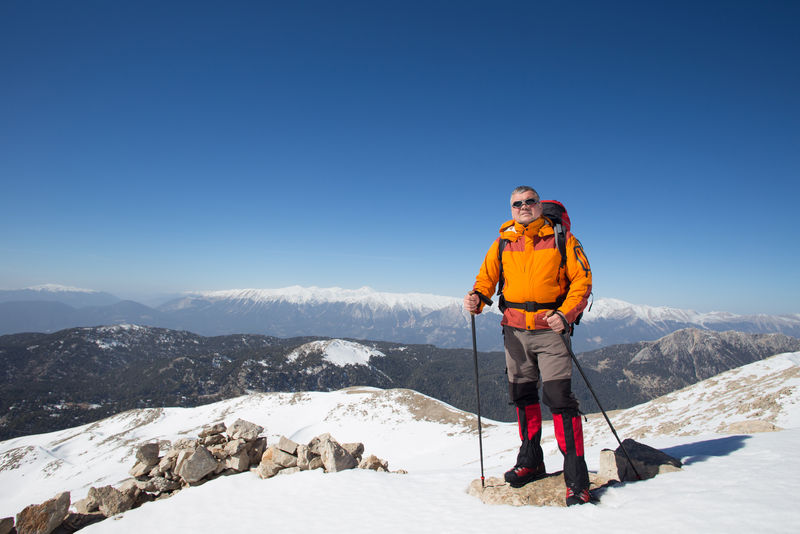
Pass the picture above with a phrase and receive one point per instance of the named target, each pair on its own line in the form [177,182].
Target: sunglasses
[528,202]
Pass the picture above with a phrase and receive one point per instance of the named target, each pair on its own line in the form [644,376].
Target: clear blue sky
[155,146]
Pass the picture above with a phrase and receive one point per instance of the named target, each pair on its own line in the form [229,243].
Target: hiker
[537,285]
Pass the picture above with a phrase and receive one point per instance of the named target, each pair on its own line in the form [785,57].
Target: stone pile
[217,451]
[321,452]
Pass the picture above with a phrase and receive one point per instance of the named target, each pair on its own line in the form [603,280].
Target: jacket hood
[512,230]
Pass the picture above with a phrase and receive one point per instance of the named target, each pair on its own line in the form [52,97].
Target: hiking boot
[579,497]
[519,476]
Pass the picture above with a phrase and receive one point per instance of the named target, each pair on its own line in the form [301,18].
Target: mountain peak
[57,288]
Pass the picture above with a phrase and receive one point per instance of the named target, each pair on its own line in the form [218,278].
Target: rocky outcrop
[548,491]
[217,451]
[44,518]
[321,452]
[647,462]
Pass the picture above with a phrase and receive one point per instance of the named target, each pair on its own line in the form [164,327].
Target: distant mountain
[71,296]
[638,372]
[52,381]
[368,314]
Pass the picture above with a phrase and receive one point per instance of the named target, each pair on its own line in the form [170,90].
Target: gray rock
[268,469]
[304,457]
[185,443]
[334,457]
[239,462]
[86,506]
[255,449]
[287,445]
[245,430]
[289,471]
[234,446]
[283,459]
[112,501]
[315,463]
[44,518]
[649,462]
[215,439]
[158,485]
[148,454]
[212,430]
[140,469]
[197,465]
[131,487]
[356,450]
[374,463]
[167,462]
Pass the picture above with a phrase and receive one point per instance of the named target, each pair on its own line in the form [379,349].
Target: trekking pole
[565,338]
[488,302]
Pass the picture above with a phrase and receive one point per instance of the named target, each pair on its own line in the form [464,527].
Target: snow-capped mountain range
[736,476]
[357,313]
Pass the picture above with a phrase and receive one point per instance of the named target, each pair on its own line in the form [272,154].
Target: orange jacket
[533,273]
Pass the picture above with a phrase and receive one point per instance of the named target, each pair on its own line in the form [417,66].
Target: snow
[56,288]
[731,482]
[317,295]
[338,352]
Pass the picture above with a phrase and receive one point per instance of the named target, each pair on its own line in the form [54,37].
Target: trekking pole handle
[486,300]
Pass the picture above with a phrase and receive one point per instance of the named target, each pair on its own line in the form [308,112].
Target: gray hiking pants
[538,358]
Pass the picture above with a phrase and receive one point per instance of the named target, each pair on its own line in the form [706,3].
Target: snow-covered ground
[731,482]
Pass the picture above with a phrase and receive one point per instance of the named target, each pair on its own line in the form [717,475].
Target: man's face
[525,213]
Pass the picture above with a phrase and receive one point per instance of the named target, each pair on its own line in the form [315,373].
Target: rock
[334,457]
[245,430]
[216,439]
[356,450]
[255,449]
[315,443]
[6,525]
[148,454]
[140,469]
[287,445]
[304,457]
[289,471]
[44,518]
[234,446]
[87,506]
[283,459]
[239,462]
[167,462]
[268,469]
[112,501]
[75,522]
[185,443]
[158,485]
[374,463]
[197,465]
[130,487]
[212,430]
[648,461]
[548,491]
[183,454]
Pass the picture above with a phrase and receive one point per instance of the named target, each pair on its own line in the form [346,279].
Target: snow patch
[338,352]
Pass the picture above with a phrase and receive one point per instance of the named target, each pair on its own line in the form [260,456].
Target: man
[539,295]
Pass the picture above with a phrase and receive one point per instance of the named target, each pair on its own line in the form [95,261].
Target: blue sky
[152,147]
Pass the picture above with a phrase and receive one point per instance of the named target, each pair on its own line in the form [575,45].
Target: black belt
[532,306]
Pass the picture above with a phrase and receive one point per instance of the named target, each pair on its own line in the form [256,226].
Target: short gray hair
[523,189]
